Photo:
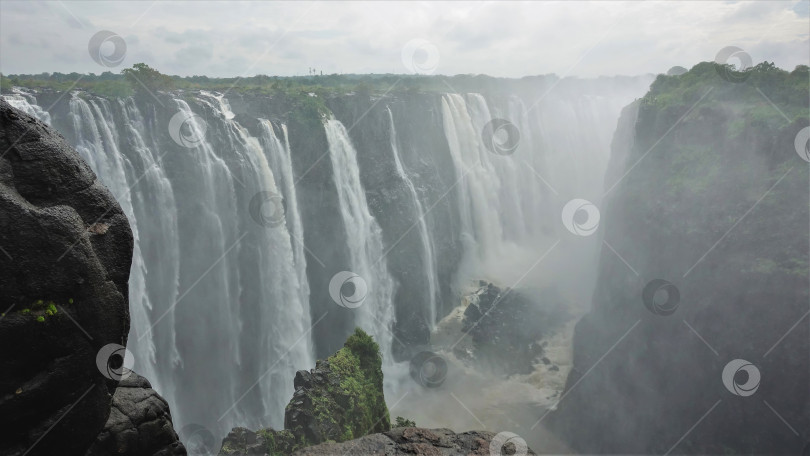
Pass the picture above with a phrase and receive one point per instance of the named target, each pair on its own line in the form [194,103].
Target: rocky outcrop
[341,399]
[140,423]
[507,326]
[707,193]
[426,442]
[404,440]
[65,254]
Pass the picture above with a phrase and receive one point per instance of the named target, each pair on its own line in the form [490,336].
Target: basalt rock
[419,441]
[140,423]
[719,209]
[64,287]
[340,399]
[506,326]
[65,255]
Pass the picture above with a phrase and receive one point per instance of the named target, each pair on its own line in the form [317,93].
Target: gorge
[267,227]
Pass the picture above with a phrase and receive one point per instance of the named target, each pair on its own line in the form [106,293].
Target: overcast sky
[501,39]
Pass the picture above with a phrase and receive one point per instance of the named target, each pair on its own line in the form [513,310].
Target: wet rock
[64,288]
[140,423]
[413,441]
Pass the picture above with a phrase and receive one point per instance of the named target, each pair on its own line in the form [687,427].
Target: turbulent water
[220,286]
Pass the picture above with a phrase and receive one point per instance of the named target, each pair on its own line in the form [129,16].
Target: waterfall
[219,302]
[219,287]
[27,103]
[365,244]
[428,260]
[97,142]
[278,154]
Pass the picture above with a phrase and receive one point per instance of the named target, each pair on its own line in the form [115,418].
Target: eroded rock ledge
[140,423]
[409,440]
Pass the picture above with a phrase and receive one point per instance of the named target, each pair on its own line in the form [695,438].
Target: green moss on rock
[342,398]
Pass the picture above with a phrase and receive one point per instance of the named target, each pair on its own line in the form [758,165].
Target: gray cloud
[499,38]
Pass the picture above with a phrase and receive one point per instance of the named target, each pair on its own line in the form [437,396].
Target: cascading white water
[221,312]
[284,347]
[220,302]
[27,103]
[429,261]
[364,240]
[278,154]
[97,142]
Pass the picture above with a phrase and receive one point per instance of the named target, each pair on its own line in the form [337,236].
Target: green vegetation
[140,77]
[146,80]
[787,90]
[347,404]
[280,443]
[40,309]
[719,148]
[404,422]
[358,368]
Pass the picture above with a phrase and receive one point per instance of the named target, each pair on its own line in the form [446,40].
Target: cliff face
[67,248]
[705,191]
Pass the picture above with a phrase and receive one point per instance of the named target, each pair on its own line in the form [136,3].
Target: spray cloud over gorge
[597,264]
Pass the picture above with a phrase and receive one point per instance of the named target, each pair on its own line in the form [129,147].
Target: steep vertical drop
[428,261]
[275,315]
[97,142]
[278,155]
[366,249]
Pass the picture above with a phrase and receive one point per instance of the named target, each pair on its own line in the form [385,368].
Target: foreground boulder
[341,399]
[419,441]
[65,255]
[140,423]
[64,269]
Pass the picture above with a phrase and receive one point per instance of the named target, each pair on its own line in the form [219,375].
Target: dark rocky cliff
[67,249]
[711,196]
